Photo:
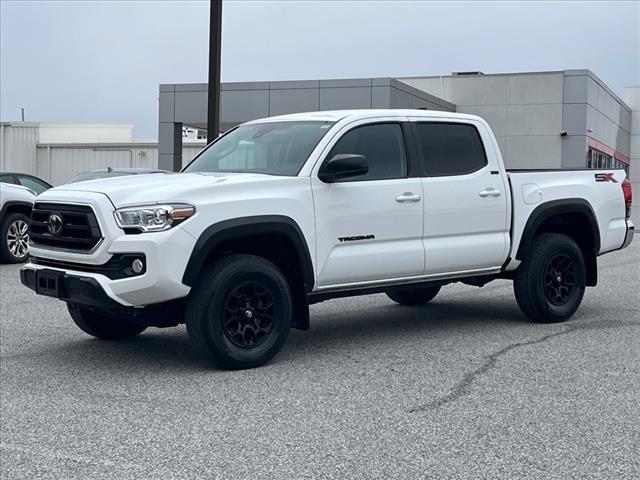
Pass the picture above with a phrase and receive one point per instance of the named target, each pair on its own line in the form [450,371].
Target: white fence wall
[189,152]
[59,163]
[18,148]
[38,149]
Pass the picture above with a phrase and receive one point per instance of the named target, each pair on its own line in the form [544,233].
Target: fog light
[137,266]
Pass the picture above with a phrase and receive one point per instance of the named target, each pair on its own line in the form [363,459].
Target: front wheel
[102,326]
[239,314]
[413,296]
[550,283]
[14,240]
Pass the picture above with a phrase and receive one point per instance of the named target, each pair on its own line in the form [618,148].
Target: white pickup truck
[286,211]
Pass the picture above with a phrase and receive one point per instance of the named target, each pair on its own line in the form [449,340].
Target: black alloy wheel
[559,279]
[248,314]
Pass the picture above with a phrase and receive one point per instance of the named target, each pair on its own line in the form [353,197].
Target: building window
[600,160]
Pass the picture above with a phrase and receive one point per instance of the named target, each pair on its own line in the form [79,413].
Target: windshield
[83,177]
[273,148]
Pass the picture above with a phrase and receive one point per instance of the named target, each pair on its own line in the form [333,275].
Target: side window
[7,179]
[450,148]
[382,144]
[33,184]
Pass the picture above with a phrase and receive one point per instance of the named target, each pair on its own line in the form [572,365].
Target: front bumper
[629,235]
[165,253]
[89,293]
[70,288]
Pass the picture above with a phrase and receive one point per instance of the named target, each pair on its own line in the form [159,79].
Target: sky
[102,61]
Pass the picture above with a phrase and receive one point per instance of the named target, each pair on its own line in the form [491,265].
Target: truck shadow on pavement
[336,329]
[389,321]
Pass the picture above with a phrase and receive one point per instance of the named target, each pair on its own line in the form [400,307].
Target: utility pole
[215,49]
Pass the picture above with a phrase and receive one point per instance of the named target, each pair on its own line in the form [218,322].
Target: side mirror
[343,165]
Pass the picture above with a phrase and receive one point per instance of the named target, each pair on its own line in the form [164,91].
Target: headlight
[153,218]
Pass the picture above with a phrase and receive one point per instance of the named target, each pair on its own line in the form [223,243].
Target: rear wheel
[413,296]
[550,283]
[104,327]
[14,238]
[239,314]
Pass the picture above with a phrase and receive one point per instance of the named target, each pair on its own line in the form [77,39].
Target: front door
[370,227]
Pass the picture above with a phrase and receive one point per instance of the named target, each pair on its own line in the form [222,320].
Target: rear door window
[450,148]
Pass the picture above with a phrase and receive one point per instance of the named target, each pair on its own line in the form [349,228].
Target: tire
[239,314]
[102,326]
[550,282]
[414,296]
[14,238]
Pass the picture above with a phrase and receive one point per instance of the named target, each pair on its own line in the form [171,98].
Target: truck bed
[598,190]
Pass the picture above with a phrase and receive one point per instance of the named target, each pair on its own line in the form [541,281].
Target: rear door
[369,228]
[466,198]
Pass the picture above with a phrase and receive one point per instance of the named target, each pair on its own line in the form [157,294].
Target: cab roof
[337,115]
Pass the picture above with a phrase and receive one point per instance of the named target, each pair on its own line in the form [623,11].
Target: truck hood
[156,188]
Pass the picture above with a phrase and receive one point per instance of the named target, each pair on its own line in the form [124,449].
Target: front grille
[58,225]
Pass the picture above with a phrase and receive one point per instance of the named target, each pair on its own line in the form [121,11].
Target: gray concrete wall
[632,98]
[528,111]
[524,111]
[186,104]
[592,110]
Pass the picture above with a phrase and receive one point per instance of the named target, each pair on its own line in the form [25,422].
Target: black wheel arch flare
[18,205]
[556,208]
[226,230]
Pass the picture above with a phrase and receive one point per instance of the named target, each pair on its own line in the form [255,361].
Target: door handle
[408,197]
[490,192]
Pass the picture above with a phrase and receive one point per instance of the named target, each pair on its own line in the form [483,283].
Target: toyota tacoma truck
[283,212]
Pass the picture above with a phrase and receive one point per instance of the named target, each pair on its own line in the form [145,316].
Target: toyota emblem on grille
[54,224]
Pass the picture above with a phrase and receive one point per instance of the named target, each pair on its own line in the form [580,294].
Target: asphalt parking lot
[463,388]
